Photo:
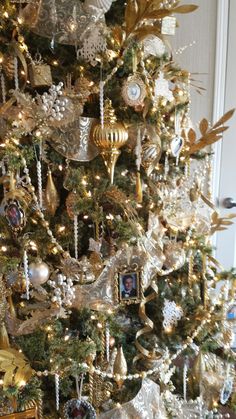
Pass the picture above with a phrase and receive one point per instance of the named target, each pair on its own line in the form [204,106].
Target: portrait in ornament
[79,409]
[134,91]
[129,286]
[14,215]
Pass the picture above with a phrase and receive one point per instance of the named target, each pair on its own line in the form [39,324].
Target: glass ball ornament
[39,272]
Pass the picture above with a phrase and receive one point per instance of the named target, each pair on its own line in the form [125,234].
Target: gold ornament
[134,91]
[8,66]
[51,195]
[110,138]
[27,414]
[40,74]
[4,340]
[139,190]
[70,203]
[120,367]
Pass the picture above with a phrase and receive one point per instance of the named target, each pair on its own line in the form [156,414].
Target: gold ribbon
[149,325]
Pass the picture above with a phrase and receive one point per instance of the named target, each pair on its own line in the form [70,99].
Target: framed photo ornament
[129,285]
[134,91]
[79,409]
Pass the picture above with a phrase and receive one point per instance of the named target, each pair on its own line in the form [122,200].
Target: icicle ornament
[76,235]
[26,272]
[57,391]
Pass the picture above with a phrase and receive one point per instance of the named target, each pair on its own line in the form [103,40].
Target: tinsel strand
[57,391]
[3,88]
[76,235]
[26,272]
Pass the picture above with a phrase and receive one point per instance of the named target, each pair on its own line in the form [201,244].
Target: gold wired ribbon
[149,325]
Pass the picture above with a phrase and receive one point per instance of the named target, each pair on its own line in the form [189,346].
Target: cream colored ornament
[110,138]
[39,273]
[152,45]
[120,367]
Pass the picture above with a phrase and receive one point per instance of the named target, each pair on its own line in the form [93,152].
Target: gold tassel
[51,195]
[139,191]
[4,340]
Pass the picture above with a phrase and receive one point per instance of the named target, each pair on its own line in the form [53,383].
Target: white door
[225,99]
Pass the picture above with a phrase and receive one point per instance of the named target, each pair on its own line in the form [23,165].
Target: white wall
[199,26]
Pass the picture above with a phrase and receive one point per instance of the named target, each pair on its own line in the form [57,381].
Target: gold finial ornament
[109,138]
[120,367]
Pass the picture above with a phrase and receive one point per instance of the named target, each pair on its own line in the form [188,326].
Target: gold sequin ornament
[51,195]
[109,138]
[120,367]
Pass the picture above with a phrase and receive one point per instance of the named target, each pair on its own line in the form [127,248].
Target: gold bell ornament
[109,138]
[120,367]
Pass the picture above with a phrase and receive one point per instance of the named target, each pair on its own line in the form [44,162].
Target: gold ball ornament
[109,138]
[120,367]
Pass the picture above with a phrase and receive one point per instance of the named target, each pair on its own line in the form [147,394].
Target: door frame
[222,30]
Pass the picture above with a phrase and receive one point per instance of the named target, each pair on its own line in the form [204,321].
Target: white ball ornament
[39,273]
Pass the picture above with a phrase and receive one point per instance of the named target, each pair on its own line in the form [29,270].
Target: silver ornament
[176,145]
[39,273]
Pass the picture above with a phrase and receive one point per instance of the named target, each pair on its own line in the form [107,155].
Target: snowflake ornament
[171,313]
[162,88]
[93,44]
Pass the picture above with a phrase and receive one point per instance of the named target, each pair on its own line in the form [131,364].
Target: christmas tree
[108,300]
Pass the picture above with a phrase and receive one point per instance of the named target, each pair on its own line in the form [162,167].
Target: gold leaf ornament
[15,367]
[210,135]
